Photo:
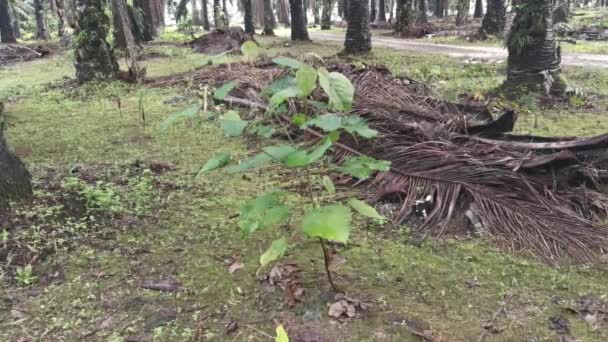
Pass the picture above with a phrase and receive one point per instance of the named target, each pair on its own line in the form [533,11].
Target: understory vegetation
[130,237]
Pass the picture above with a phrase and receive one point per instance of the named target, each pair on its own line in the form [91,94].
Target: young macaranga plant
[326,222]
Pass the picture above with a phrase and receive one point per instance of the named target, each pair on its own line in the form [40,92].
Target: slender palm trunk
[205,14]
[298,24]
[478,9]
[60,10]
[463,12]
[534,58]
[269,20]
[41,31]
[494,20]
[439,8]
[316,12]
[421,12]
[249,27]
[358,35]
[381,16]
[197,19]
[217,18]
[7,32]
[283,12]
[372,10]
[328,7]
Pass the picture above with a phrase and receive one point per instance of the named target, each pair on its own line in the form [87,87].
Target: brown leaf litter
[545,196]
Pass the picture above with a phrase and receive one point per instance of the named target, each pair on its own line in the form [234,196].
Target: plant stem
[326,258]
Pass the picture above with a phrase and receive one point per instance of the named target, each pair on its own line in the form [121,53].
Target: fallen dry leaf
[235,267]
[165,285]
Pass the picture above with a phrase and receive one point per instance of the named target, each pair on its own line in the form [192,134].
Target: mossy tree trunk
[328,6]
[248,16]
[534,58]
[358,35]
[269,20]
[478,9]
[298,24]
[14,178]
[494,20]
[94,57]
[60,10]
[405,17]
[7,32]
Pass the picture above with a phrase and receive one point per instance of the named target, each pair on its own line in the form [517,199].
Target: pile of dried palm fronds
[11,53]
[544,196]
[220,41]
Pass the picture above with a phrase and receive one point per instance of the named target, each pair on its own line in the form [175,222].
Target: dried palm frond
[543,196]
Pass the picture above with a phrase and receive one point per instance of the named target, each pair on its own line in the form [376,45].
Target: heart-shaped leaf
[330,223]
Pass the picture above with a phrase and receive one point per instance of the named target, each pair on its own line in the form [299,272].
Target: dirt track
[485,52]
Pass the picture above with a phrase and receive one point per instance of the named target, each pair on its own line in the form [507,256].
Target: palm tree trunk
[534,58]
[463,12]
[298,24]
[205,14]
[328,6]
[381,16]
[60,10]
[405,17]
[283,12]
[439,8]
[41,32]
[358,35]
[269,21]
[372,11]
[197,19]
[421,15]
[217,19]
[14,178]
[494,20]
[316,12]
[478,9]
[249,27]
[7,32]
[94,57]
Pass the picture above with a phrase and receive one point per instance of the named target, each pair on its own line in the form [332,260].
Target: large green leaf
[301,158]
[357,125]
[250,50]
[288,62]
[232,124]
[330,223]
[363,167]
[279,85]
[263,131]
[307,80]
[327,122]
[276,250]
[366,210]
[262,212]
[278,98]
[217,161]
[281,335]
[251,163]
[188,113]
[339,89]
[223,91]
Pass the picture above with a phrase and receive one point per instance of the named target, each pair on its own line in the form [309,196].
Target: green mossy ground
[91,290]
